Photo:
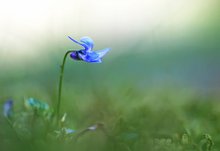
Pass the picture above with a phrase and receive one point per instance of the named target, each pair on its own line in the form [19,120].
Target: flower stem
[60,84]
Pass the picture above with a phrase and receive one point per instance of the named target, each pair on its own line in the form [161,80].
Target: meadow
[132,102]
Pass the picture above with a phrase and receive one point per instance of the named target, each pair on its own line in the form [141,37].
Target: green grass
[132,119]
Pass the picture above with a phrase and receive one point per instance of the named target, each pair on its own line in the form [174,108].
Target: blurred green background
[159,81]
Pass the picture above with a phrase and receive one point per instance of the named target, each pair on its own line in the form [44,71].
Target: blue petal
[84,45]
[89,57]
[74,55]
[96,61]
[101,53]
[88,42]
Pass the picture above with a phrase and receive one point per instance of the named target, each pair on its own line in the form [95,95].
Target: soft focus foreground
[157,90]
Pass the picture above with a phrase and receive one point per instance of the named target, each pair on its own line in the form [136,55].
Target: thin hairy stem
[60,84]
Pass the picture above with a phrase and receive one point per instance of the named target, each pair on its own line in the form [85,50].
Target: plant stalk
[60,85]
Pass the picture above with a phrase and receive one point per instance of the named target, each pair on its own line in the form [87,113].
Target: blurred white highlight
[26,24]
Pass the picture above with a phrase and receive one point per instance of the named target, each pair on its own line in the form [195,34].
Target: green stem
[60,85]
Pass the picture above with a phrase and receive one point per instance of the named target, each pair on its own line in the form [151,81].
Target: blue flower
[87,54]
[7,108]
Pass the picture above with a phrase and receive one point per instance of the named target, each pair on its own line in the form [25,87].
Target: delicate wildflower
[7,108]
[87,54]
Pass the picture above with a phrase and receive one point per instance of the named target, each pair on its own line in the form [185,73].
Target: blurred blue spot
[7,108]
[69,131]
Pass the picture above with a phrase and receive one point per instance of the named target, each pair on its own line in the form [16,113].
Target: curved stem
[60,84]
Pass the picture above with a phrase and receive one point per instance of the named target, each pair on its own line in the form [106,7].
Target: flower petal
[88,42]
[101,53]
[74,55]
[96,61]
[89,57]
[85,46]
